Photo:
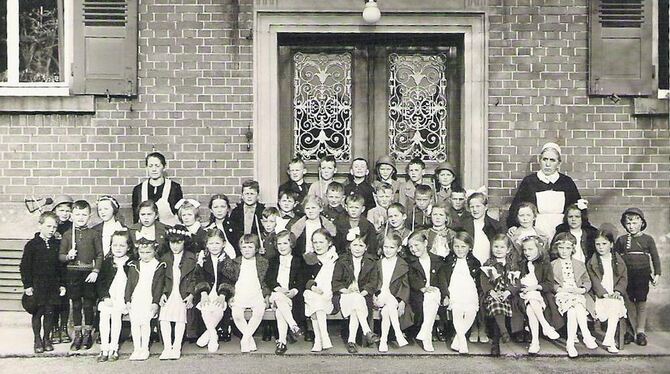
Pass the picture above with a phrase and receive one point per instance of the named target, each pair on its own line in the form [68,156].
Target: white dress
[210,307]
[141,299]
[531,280]
[482,247]
[322,302]
[349,302]
[606,307]
[567,300]
[283,274]
[248,292]
[117,290]
[174,309]
[462,288]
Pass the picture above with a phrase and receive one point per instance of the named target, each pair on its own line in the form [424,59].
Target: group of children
[410,251]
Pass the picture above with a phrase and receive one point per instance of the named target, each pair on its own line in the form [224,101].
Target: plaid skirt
[495,307]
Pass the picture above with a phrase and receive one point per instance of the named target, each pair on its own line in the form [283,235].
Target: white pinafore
[165,214]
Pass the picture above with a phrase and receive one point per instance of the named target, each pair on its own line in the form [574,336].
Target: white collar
[547,178]
[194,227]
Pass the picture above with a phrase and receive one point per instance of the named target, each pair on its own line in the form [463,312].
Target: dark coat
[367,231]
[588,241]
[175,195]
[232,273]
[187,280]
[399,288]
[229,231]
[156,284]
[531,184]
[545,278]
[417,281]
[88,246]
[343,277]
[491,227]
[444,276]
[364,189]
[106,276]
[594,266]
[296,280]
[237,223]
[204,277]
[298,229]
[41,270]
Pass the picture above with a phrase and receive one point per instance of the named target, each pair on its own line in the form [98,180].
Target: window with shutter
[105,47]
[620,48]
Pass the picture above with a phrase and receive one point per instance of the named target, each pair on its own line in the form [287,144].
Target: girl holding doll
[111,287]
[609,278]
[144,288]
[178,291]
[354,282]
[571,286]
[318,293]
[459,284]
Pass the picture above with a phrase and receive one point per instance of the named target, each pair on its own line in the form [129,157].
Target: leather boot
[55,335]
[76,342]
[87,339]
[64,335]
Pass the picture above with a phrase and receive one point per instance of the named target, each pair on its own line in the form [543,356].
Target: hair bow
[193,202]
[582,204]
[139,235]
[481,190]
[109,198]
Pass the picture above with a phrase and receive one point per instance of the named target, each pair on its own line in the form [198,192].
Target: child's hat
[446,165]
[177,233]
[145,241]
[637,212]
[61,199]
[385,160]
[29,304]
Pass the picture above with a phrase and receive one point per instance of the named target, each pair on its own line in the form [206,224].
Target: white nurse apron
[165,214]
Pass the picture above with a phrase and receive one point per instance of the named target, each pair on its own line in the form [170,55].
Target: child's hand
[92,277]
[188,300]
[28,291]
[163,300]
[345,291]
[128,307]
[72,254]
[511,231]
[221,302]
[292,293]
[401,308]
[281,289]
[504,295]
[353,288]
[317,290]
[154,310]
[61,291]
[108,302]
[204,298]
[378,302]
[445,301]
[655,279]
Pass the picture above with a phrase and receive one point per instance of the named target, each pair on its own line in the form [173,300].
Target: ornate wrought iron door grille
[322,110]
[417,106]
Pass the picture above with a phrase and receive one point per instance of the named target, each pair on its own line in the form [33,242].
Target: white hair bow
[582,204]
[193,202]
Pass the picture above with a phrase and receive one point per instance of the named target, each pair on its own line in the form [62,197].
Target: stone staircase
[11,287]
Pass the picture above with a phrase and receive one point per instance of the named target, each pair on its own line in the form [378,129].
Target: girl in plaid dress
[500,275]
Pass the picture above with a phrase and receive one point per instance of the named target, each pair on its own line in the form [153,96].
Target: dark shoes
[102,357]
[64,336]
[369,339]
[504,338]
[114,356]
[76,342]
[309,336]
[267,332]
[48,346]
[39,348]
[495,350]
[281,348]
[441,335]
[295,333]
[224,333]
[628,338]
[351,348]
[641,339]
[87,339]
[55,335]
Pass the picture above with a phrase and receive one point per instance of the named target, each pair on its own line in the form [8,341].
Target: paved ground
[270,364]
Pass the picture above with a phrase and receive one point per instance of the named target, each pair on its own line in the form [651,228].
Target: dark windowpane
[663,55]
[3,40]
[38,41]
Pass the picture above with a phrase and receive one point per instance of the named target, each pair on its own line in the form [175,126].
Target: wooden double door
[368,95]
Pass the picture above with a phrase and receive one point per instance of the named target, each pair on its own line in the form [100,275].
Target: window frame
[661,93]
[15,88]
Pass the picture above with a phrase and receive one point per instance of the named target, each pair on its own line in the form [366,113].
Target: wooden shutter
[105,47]
[620,47]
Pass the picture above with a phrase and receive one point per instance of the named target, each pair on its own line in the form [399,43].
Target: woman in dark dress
[42,281]
[163,191]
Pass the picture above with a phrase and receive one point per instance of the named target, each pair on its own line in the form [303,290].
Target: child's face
[355,209]
[248,250]
[574,218]
[603,246]
[286,203]
[384,198]
[284,245]
[187,217]
[461,248]
[525,216]
[564,249]
[327,170]
[155,168]
[477,208]
[415,173]
[249,196]
[105,210]
[358,247]
[63,211]
[633,224]
[334,198]
[220,209]
[359,169]
[390,248]
[438,217]
[457,200]
[385,171]
[530,250]
[499,249]
[80,216]
[177,247]
[320,243]
[418,247]
[119,246]
[549,162]
[422,201]
[312,210]
[296,171]
[215,245]
[147,216]
[146,252]
[445,177]
[48,228]
[269,223]
[395,218]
